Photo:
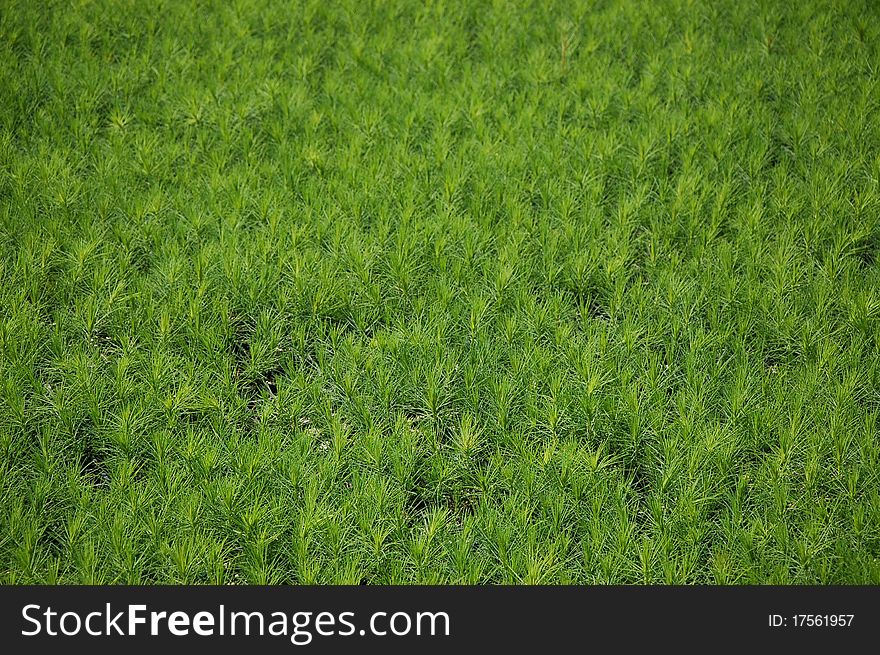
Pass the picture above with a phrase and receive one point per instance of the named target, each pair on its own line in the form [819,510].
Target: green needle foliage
[439,292]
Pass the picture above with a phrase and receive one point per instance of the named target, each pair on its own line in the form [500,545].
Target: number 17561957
[810,620]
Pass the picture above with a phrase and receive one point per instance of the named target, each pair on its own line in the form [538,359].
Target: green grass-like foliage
[459,292]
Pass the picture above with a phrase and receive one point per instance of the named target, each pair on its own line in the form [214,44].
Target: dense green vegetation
[439,292]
